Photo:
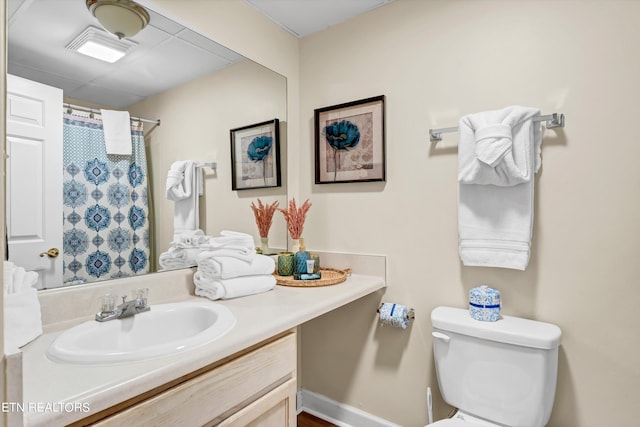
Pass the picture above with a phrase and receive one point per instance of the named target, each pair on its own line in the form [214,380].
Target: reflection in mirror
[116,217]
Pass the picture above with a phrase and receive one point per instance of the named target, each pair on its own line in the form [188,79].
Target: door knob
[51,253]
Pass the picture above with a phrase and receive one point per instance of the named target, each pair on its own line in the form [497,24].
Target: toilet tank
[504,371]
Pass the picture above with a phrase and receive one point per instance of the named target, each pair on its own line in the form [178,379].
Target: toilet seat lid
[453,422]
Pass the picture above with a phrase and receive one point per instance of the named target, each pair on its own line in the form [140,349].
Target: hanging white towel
[117,131]
[499,152]
[182,188]
[22,317]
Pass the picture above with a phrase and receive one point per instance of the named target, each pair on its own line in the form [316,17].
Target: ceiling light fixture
[97,44]
[123,18]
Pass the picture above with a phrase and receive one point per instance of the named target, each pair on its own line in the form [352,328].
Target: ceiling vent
[98,44]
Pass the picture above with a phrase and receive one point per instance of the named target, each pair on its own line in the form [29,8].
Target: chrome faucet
[137,305]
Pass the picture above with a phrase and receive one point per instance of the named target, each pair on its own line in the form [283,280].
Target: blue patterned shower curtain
[106,208]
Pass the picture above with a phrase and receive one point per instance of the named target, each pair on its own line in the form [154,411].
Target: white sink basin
[165,329]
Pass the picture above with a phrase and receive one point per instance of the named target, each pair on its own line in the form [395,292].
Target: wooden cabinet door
[275,409]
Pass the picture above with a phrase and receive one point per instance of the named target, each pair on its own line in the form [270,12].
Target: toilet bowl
[496,373]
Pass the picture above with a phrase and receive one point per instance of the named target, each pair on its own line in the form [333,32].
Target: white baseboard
[338,413]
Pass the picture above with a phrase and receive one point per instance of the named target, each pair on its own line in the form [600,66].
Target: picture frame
[255,156]
[350,142]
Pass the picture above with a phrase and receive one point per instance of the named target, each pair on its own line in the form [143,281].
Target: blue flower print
[136,176]
[98,263]
[97,217]
[118,195]
[119,240]
[73,169]
[137,217]
[137,260]
[259,148]
[342,135]
[74,194]
[96,171]
[75,242]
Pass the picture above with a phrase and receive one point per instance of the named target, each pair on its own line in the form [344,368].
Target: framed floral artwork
[255,156]
[350,142]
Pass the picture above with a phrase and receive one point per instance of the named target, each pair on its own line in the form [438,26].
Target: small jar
[286,263]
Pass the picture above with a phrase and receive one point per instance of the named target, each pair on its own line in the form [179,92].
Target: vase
[300,264]
[264,245]
[285,263]
[298,245]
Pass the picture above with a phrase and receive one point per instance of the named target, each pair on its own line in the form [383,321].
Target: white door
[34,178]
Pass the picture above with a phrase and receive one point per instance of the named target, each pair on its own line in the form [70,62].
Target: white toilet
[496,373]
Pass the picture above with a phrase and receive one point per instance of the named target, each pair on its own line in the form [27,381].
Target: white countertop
[259,317]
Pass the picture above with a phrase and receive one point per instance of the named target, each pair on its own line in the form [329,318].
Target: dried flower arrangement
[264,216]
[295,217]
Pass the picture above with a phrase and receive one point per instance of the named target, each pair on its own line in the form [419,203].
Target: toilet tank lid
[508,330]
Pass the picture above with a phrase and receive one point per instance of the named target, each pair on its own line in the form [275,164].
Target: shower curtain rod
[553,120]
[97,111]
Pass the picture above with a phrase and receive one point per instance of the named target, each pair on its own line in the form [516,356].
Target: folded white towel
[231,244]
[182,187]
[228,239]
[223,267]
[117,131]
[232,288]
[495,206]
[179,257]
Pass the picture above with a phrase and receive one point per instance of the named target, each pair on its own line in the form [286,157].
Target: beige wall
[241,28]
[436,61]
[195,123]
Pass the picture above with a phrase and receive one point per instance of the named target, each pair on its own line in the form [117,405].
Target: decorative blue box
[484,304]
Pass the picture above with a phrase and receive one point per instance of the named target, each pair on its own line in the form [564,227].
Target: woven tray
[330,276]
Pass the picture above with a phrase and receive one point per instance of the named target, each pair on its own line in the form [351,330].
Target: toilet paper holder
[411,314]
[395,315]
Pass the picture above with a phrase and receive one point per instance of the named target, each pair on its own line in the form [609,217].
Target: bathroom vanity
[247,376]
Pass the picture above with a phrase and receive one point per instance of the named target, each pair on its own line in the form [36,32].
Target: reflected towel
[189,239]
[232,288]
[222,267]
[117,131]
[182,189]
[179,258]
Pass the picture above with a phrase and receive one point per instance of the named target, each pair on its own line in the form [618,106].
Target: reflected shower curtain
[106,209]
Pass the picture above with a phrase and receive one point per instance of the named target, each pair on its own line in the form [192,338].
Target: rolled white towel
[223,267]
[234,287]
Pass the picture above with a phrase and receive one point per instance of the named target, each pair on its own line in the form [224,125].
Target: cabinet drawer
[216,394]
[276,408]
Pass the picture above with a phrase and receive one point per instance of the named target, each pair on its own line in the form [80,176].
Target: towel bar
[553,120]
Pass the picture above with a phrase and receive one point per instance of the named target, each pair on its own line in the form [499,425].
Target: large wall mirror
[198,89]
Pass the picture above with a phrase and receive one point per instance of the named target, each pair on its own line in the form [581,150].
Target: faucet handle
[107,303]
[141,295]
